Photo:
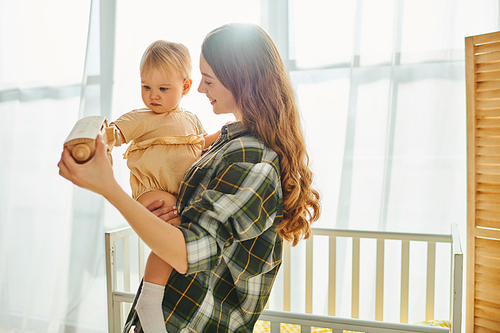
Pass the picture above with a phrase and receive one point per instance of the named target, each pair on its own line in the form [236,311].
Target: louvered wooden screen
[483,182]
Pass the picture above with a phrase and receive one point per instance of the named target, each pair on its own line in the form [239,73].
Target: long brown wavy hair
[247,62]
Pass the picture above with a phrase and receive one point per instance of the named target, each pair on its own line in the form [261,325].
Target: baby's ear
[186,85]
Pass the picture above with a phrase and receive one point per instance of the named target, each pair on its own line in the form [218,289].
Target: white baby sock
[149,308]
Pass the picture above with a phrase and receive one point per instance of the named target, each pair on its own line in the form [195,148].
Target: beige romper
[163,146]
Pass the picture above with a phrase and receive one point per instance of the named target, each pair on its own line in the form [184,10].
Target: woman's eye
[208,83]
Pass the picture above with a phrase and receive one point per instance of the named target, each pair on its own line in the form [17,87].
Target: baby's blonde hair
[167,57]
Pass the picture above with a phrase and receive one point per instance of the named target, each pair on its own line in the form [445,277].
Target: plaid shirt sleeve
[241,200]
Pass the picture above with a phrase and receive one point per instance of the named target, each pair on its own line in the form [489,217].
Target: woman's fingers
[155,205]
[95,175]
[63,164]
[164,213]
[100,148]
[168,215]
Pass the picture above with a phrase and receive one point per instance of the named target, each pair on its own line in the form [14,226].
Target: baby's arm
[210,138]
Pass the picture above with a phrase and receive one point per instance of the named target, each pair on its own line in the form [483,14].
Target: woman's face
[222,99]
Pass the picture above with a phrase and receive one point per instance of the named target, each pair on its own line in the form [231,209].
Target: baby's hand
[113,136]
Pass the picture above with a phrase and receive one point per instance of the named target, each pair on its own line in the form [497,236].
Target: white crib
[122,281]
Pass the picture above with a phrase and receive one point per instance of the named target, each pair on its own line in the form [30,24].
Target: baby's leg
[156,275]
[149,305]
[157,271]
[169,200]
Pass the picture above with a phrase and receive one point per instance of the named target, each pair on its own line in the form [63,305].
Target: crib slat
[126,270]
[114,263]
[456,282]
[116,305]
[405,277]
[379,295]
[117,315]
[142,259]
[275,327]
[286,277]
[355,278]
[431,276]
[126,263]
[309,274]
[332,274]
[110,277]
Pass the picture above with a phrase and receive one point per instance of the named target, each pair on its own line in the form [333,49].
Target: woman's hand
[164,213]
[95,175]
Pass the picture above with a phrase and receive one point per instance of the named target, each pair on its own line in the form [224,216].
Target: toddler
[164,141]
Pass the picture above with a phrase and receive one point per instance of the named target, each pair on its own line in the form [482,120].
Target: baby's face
[162,94]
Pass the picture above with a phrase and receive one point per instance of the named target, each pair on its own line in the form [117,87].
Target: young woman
[237,203]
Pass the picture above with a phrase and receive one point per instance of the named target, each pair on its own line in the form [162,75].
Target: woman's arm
[97,175]
[164,239]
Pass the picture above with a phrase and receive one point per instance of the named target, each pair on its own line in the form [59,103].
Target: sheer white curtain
[52,273]
[380,86]
[381,90]
[42,52]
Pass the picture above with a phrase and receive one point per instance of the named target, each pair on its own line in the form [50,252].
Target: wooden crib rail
[119,299]
[306,321]
[381,237]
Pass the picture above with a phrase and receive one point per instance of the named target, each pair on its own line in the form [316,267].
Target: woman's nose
[200,89]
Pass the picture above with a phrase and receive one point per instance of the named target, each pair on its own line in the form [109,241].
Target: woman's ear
[186,85]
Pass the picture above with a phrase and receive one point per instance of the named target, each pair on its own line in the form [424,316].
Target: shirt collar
[232,130]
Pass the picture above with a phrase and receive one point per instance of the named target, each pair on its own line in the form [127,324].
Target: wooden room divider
[483,182]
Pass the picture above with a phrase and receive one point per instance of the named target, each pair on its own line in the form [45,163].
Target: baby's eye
[163,89]
[146,87]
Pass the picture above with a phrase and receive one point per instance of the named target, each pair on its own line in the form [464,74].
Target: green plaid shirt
[230,202]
